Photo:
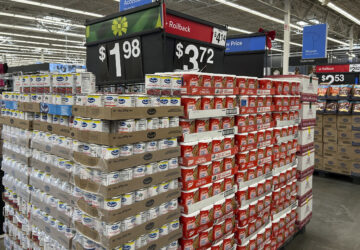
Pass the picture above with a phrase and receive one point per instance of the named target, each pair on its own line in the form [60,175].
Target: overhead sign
[333,68]
[194,30]
[314,41]
[118,27]
[129,4]
[244,44]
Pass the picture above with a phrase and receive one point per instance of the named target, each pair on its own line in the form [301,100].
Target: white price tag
[219,36]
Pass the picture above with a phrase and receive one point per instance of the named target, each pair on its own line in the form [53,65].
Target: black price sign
[191,56]
[339,78]
[116,61]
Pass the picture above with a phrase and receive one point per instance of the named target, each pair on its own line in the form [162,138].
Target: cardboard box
[355,168]
[29,106]
[119,139]
[329,121]
[53,190]
[50,210]
[304,185]
[52,231]
[330,149]
[344,167]
[355,121]
[304,210]
[330,163]
[344,152]
[319,162]
[127,211]
[128,161]
[355,137]
[344,135]
[14,122]
[318,134]
[53,128]
[52,170]
[117,113]
[349,152]
[344,119]
[306,160]
[319,148]
[306,136]
[319,120]
[307,111]
[330,135]
[60,151]
[127,186]
[16,156]
[153,245]
[117,240]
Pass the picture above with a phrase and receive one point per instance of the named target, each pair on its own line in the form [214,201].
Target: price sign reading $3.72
[190,56]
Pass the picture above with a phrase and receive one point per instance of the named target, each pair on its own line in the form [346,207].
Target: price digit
[116,51]
[193,59]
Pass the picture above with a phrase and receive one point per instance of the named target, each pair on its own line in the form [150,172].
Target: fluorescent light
[24,41]
[278,50]
[46,52]
[302,23]
[45,48]
[68,46]
[341,11]
[337,41]
[55,7]
[39,30]
[274,19]
[40,19]
[40,37]
[239,30]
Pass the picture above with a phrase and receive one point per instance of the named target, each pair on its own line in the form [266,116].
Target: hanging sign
[129,4]
[314,41]
[244,44]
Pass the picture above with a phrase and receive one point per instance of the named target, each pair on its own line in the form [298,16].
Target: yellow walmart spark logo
[119,26]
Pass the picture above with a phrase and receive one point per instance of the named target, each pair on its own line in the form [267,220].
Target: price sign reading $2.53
[190,56]
[119,60]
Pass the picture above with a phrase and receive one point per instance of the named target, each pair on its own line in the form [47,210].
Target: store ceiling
[211,10]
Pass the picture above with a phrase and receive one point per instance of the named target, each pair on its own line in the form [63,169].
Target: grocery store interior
[180,124]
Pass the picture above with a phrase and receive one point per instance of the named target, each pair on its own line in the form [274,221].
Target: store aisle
[336,217]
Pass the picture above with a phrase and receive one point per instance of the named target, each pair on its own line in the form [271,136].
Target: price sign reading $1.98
[119,60]
[189,56]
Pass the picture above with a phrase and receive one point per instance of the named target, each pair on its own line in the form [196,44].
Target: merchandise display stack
[267,142]
[337,130]
[99,171]
[127,148]
[306,152]
[207,157]
[38,162]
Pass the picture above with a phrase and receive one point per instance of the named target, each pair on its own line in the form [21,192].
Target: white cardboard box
[308,111]
[305,185]
[306,160]
[306,136]
[304,210]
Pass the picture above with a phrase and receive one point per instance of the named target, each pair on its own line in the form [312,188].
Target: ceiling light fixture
[45,48]
[68,46]
[274,19]
[24,41]
[340,11]
[40,19]
[41,37]
[10,26]
[55,7]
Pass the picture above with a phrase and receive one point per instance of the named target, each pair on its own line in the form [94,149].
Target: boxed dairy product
[304,185]
[306,160]
[304,210]
[318,134]
[306,136]
[319,120]
[319,162]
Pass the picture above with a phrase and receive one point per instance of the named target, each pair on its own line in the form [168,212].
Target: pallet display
[337,131]
[73,193]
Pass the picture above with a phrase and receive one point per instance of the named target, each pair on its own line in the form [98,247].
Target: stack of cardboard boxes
[337,144]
